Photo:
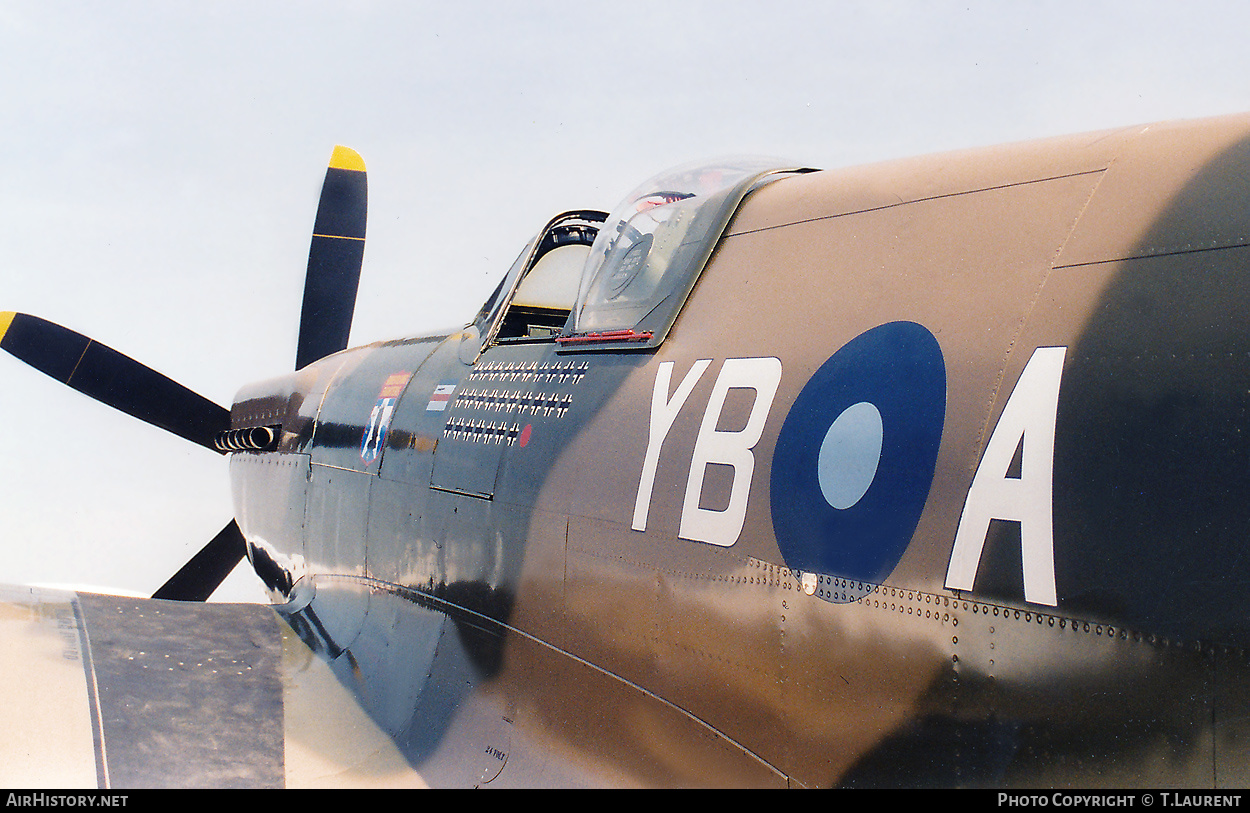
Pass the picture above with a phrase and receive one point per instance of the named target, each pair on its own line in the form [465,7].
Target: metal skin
[708,563]
[640,656]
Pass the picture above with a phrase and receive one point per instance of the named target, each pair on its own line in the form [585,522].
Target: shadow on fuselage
[1152,446]
[1151,521]
[415,658]
[419,638]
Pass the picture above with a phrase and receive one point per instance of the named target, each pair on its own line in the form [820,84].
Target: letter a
[1029,418]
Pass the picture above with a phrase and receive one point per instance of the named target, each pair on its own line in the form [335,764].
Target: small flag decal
[441,398]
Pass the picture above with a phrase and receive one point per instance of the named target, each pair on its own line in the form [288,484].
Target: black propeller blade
[207,569]
[118,380]
[112,378]
[121,382]
[338,246]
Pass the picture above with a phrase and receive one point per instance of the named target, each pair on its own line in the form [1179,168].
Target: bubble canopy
[652,248]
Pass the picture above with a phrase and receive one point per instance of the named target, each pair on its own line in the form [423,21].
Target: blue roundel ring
[855,458]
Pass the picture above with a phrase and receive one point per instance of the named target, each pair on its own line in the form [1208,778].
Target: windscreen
[652,248]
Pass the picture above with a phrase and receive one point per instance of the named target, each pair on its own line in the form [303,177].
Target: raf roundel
[856,455]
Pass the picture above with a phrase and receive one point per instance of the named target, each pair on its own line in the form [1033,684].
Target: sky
[160,164]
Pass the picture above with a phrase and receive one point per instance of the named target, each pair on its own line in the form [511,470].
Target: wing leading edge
[115,692]
[118,692]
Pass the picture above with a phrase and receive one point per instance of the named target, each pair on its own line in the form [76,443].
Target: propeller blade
[207,569]
[338,246]
[110,377]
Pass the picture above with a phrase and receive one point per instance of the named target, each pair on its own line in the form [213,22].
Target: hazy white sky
[161,163]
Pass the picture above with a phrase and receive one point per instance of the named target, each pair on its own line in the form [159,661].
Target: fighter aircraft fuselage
[939,476]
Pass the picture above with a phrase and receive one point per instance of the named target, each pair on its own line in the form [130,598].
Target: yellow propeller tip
[347,158]
[6,319]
